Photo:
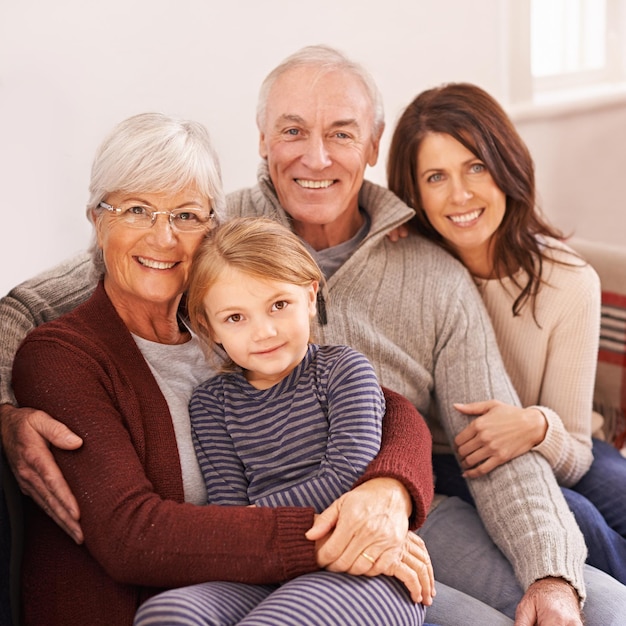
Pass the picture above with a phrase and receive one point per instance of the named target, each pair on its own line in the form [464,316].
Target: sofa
[609,400]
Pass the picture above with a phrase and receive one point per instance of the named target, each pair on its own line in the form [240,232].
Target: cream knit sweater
[552,361]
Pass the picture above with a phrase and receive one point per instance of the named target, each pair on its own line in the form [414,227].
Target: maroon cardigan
[140,537]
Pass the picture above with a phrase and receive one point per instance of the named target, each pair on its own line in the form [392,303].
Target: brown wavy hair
[476,120]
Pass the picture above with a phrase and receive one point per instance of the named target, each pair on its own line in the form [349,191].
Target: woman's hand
[25,436]
[373,519]
[501,433]
[374,515]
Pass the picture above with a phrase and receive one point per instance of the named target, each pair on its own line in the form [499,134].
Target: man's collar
[384,208]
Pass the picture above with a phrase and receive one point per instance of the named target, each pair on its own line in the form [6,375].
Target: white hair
[325,58]
[150,153]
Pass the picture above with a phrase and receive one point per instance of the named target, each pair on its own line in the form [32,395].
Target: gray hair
[325,58]
[153,152]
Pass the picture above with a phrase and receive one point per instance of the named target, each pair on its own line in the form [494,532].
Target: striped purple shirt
[302,442]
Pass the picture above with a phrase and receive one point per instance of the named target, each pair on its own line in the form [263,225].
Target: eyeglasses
[139,216]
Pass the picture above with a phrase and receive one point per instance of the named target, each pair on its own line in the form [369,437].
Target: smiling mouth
[314,184]
[268,350]
[155,265]
[466,218]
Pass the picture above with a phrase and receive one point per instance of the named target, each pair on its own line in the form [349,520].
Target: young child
[285,422]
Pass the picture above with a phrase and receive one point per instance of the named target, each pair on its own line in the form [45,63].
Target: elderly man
[408,306]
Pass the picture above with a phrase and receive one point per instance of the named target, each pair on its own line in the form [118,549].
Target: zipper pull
[322,318]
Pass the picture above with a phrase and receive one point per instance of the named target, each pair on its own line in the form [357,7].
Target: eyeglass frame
[153,216]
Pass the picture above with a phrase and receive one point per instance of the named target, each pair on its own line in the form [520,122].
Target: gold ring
[365,555]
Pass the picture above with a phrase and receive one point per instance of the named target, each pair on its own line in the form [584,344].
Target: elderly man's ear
[375,146]
[262,146]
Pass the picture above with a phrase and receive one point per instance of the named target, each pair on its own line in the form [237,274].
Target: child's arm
[222,470]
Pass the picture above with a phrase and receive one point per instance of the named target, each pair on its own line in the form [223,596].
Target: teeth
[314,184]
[155,265]
[466,217]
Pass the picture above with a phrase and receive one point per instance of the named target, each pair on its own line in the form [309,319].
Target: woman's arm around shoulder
[126,478]
[405,454]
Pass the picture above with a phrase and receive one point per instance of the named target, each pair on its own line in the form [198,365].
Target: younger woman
[457,159]
[285,423]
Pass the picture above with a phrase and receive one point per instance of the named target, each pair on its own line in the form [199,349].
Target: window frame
[524,88]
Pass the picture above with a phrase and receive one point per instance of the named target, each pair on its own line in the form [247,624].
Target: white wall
[580,160]
[71,69]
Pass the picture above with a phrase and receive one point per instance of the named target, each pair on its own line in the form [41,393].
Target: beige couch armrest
[609,261]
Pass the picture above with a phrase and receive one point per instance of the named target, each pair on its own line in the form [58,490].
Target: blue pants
[598,502]
[307,601]
[605,485]
[465,558]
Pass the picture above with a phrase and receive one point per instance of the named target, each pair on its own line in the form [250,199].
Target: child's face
[263,325]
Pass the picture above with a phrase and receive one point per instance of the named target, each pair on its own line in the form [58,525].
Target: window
[573,48]
[567,36]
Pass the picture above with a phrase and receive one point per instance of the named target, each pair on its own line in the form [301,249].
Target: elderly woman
[119,371]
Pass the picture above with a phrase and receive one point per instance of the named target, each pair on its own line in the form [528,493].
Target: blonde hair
[257,246]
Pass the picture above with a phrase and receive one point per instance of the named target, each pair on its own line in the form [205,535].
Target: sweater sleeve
[137,535]
[43,298]
[569,375]
[540,540]
[405,454]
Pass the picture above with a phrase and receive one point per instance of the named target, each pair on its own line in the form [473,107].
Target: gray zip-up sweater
[415,313]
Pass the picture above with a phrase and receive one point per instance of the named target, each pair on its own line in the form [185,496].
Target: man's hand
[549,602]
[25,436]
[400,232]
